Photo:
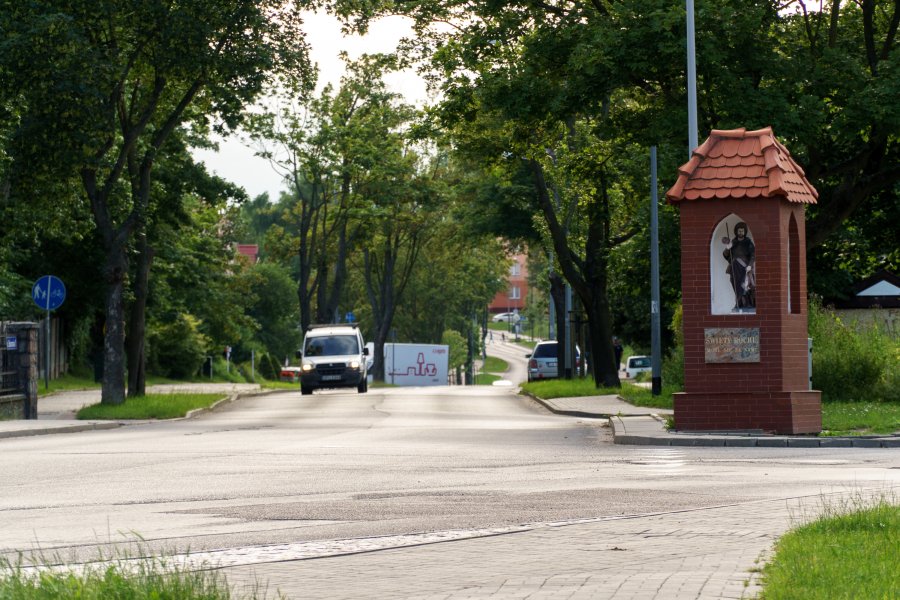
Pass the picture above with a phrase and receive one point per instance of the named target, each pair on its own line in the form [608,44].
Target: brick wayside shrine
[743,280]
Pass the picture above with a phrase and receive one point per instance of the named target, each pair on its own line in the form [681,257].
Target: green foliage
[177,348]
[860,418]
[852,363]
[495,365]
[151,406]
[849,553]
[458,348]
[274,308]
[149,579]
[673,362]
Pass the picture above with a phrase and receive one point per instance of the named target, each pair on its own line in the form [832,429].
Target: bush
[176,349]
[673,363]
[852,363]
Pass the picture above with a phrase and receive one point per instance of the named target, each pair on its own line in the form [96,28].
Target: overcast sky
[236,163]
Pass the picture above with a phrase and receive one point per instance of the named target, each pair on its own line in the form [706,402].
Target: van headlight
[306,367]
[354,364]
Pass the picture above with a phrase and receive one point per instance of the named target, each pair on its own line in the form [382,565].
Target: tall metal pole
[568,351]
[655,345]
[691,80]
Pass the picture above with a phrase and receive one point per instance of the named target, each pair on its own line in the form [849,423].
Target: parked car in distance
[290,374]
[635,365]
[543,362]
[507,317]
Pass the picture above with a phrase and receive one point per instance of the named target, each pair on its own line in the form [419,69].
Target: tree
[324,149]
[106,84]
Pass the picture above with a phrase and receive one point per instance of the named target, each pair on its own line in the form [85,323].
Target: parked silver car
[543,362]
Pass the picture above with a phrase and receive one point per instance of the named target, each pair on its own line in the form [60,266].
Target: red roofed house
[251,251]
[743,261]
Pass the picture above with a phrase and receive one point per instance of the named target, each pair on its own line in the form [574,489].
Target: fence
[18,370]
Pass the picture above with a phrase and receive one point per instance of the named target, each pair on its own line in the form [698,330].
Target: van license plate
[331,377]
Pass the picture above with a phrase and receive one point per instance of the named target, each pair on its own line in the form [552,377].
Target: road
[282,477]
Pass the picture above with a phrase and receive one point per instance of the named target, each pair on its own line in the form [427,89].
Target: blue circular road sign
[48,292]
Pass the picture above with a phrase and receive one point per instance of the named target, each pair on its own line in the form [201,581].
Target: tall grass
[151,406]
[851,552]
[151,579]
[853,363]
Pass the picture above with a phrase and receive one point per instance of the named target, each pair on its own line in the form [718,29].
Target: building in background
[513,298]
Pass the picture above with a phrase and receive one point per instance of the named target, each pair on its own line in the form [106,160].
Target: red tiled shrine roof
[737,163]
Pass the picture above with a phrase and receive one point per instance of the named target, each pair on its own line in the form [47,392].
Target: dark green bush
[176,349]
[851,362]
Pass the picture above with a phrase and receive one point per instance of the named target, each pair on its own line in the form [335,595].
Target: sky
[236,163]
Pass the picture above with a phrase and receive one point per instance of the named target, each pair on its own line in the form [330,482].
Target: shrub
[176,349]
[851,363]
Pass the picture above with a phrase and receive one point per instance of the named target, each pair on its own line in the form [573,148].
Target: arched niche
[732,268]
[795,296]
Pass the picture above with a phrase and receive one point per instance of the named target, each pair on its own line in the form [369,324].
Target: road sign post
[48,293]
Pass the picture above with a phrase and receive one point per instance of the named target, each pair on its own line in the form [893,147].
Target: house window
[515,269]
[514,293]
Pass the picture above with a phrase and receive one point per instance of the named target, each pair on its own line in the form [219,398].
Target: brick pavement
[698,554]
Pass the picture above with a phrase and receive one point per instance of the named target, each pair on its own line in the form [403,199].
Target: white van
[333,356]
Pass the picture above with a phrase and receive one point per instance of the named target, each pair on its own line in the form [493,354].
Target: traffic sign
[48,292]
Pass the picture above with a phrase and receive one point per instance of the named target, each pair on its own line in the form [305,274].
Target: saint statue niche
[740,259]
[732,268]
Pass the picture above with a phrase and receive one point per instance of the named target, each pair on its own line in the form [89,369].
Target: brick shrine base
[786,412]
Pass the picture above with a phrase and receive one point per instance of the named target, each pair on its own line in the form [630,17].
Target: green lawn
[858,418]
[495,365]
[844,555]
[151,406]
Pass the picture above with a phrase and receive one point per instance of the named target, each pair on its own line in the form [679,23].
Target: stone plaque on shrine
[729,345]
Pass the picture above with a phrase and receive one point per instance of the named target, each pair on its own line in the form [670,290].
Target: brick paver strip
[703,553]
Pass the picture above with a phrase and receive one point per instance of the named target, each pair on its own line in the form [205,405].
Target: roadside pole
[655,346]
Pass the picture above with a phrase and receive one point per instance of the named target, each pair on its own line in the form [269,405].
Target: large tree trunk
[588,276]
[558,293]
[137,321]
[113,389]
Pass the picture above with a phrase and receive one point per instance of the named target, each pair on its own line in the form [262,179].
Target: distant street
[335,472]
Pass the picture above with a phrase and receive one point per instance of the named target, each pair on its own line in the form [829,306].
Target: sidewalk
[56,412]
[647,426]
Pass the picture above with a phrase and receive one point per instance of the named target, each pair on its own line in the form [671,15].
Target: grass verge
[486,379]
[151,406]
[860,418]
[151,579]
[636,395]
[495,365]
[849,553]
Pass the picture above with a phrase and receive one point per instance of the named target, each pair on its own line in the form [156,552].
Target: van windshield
[336,345]
[640,363]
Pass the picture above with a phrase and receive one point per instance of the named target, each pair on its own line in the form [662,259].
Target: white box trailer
[416,364]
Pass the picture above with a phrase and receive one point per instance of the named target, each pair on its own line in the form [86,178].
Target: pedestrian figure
[617,349]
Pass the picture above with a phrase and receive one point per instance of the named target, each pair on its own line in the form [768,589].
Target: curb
[748,441]
[63,429]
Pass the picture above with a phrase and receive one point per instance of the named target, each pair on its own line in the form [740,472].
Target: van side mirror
[365,351]
[299,354]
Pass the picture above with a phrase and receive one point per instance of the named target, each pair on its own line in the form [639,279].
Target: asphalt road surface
[281,476]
